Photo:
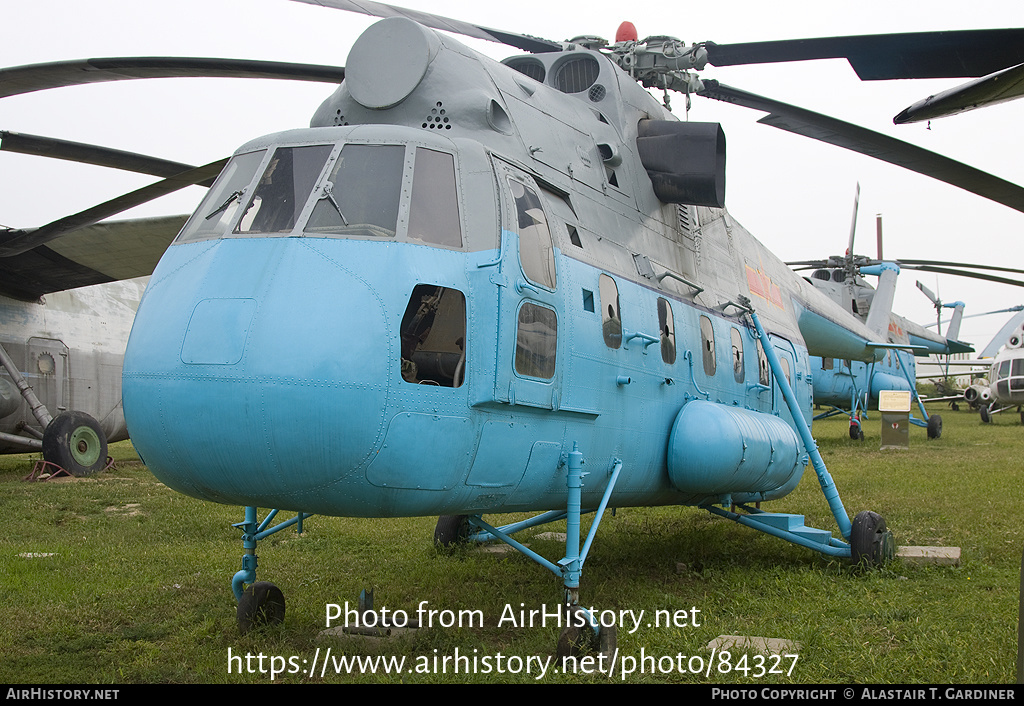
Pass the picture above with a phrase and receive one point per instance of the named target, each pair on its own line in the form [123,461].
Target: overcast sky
[793,194]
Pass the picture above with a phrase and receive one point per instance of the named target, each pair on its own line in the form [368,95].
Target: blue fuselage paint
[847,380]
[266,371]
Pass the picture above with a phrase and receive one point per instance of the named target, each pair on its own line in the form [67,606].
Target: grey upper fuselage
[585,149]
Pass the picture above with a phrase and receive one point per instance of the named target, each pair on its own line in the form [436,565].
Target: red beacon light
[626,33]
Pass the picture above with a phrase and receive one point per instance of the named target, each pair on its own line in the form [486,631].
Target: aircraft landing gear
[871,543]
[578,638]
[262,604]
[986,416]
[451,530]
[581,631]
[934,426]
[75,442]
[856,431]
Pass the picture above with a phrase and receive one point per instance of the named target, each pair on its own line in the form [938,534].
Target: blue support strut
[252,532]
[828,486]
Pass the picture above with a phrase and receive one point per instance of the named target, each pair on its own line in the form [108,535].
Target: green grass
[135,587]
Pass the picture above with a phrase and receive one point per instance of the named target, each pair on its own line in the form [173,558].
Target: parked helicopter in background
[851,387]
[465,277]
[68,295]
[1003,389]
[65,312]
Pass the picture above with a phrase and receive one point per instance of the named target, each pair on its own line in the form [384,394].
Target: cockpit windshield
[219,207]
[354,190]
[283,189]
[361,195]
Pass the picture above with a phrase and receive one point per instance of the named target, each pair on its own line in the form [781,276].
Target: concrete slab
[764,645]
[367,634]
[936,556]
[498,548]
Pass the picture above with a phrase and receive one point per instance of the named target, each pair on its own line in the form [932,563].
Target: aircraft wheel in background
[75,442]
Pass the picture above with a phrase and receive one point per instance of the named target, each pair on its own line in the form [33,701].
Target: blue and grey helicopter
[467,280]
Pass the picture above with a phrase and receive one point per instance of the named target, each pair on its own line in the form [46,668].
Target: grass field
[116,579]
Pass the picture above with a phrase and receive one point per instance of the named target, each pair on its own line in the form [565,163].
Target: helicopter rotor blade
[853,223]
[534,45]
[1018,307]
[963,273]
[18,80]
[943,263]
[837,132]
[14,242]
[953,54]
[90,154]
[928,293]
[999,87]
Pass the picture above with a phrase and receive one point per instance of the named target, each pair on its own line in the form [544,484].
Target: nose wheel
[578,638]
[261,604]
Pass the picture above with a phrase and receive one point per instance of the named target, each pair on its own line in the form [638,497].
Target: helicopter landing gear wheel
[934,426]
[986,416]
[262,604]
[451,530]
[75,442]
[871,544]
[578,638]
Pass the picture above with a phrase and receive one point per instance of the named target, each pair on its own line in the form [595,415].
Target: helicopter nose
[266,382]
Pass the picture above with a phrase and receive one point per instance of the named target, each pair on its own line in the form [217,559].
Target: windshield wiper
[328,193]
[227,202]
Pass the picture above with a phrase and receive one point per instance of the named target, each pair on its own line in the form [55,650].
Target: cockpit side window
[361,195]
[283,189]
[434,211]
[433,337]
[1017,375]
[536,251]
[218,209]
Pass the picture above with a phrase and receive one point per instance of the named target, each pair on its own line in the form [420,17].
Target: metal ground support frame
[48,470]
[788,527]
[252,532]
[828,486]
[913,393]
[570,568]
